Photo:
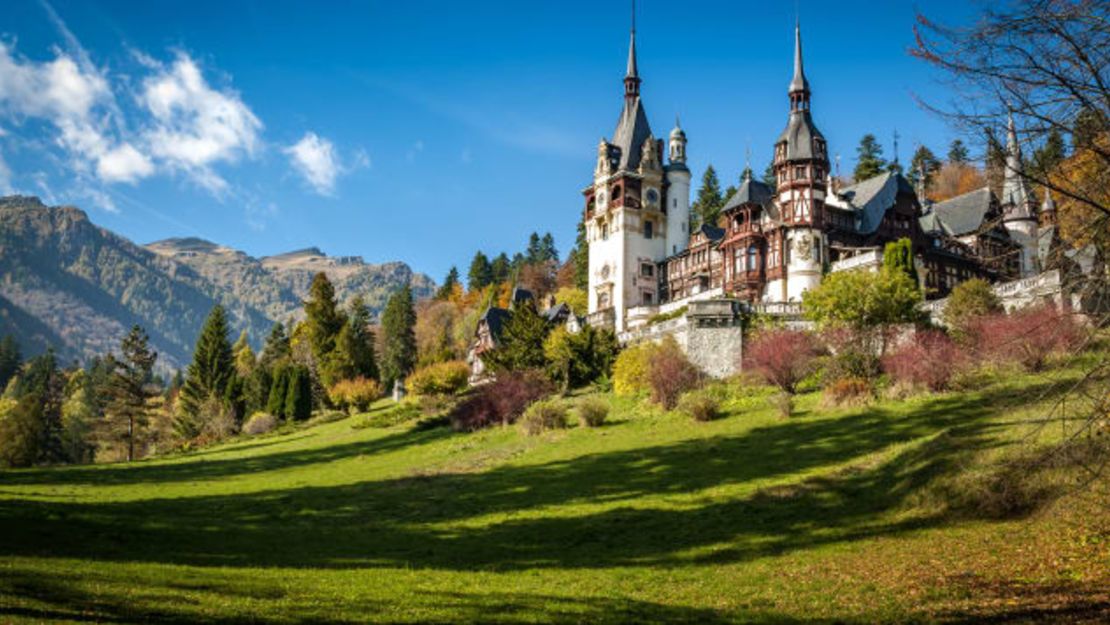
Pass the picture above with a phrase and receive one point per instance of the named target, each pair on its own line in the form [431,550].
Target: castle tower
[627,227]
[801,167]
[677,192]
[1019,204]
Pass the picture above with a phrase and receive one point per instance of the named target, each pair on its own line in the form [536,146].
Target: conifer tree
[1049,156]
[129,388]
[354,349]
[521,342]
[707,207]
[480,275]
[10,359]
[869,158]
[213,366]
[898,256]
[33,433]
[399,348]
[322,318]
[769,177]
[298,397]
[244,355]
[548,251]
[923,161]
[534,252]
[957,153]
[449,284]
[580,256]
[501,269]
[276,348]
[275,404]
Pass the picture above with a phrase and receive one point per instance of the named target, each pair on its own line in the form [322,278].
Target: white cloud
[315,160]
[124,164]
[195,126]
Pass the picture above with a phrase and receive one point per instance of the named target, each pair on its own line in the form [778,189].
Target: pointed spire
[799,82]
[1049,204]
[632,71]
[632,74]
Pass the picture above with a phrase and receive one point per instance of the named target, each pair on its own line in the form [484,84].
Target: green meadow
[924,509]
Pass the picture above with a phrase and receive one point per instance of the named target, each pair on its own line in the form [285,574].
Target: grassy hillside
[852,515]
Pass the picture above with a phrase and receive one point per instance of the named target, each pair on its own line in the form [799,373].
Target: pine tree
[399,348]
[548,251]
[449,284]
[298,397]
[354,349]
[957,153]
[769,177]
[534,252]
[923,161]
[276,348]
[501,269]
[36,432]
[580,256]
[480,275]
[521,343]
[1090,124]
[129,388]
[212,368]
[275,404]
[869,158]
[10,359]
[707,207]
[323,318]
[1049,156]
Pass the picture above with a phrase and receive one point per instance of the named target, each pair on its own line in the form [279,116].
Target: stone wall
[710,334]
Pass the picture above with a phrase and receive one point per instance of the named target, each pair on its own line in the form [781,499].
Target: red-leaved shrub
[1027,336]
[930,360]
[781,357]
[670,374]
[501,401]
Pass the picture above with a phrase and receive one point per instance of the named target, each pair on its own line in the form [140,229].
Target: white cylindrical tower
[678,193]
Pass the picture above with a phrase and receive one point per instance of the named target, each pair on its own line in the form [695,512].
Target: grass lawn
[850,515]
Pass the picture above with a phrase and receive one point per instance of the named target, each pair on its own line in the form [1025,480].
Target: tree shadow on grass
[601,510]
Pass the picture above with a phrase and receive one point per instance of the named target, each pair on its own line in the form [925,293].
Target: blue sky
[416,131]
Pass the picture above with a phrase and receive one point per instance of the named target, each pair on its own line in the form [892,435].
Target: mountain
[72,285]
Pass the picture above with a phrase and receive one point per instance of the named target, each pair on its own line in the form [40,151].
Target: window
[752,258]
[649,229]
[647,270]
[604,232]
[648,298]
[799,172]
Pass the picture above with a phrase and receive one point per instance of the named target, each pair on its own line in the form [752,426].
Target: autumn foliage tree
[782,357]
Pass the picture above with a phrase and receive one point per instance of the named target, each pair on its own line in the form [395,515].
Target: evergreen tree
[129,388]
[244,355]
[534,253]
[10,359]
[354,349]
[322,318]
[213,366]
[399,348]
[1089,125]
[580,256]
[898,256]
[276,349]
[548,251]
[298,397]
[518,261]
[957,153]
[995,163]
[707,207]
[521,343]
[869,158]
[1049,156]
[449,284]
[923,161]
[769,177]
[37,432]
[275,404]
[481,274]
[501,269]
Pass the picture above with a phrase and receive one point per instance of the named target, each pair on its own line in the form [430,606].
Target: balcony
[871,259]
[603,319]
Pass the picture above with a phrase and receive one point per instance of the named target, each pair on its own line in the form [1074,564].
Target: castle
[772,243]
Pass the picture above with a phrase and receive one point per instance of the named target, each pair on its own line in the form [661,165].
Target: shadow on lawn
[440,521]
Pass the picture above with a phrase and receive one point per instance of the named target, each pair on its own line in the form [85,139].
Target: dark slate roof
[750,192]
[963,214]
[632,130]
[557,313]
[713,233]
[871,198]
[799,134]
[522,295]
[495,319]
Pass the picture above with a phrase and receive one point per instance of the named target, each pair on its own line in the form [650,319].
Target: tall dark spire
[632,75]
[799,86]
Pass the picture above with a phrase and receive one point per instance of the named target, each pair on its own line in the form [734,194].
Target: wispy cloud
[315,159]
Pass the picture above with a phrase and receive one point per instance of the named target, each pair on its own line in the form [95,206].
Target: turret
[1018,203]
[678,192]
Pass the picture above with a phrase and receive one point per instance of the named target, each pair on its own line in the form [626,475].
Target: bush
[501,401]
[355,394]
[930,360]
[441,378]
[592,411]
[544,415]
[781,357]
[670,374]
[260,423]
[630,371]
[700,406]
[969,300]
[1026,337]
[848,392]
